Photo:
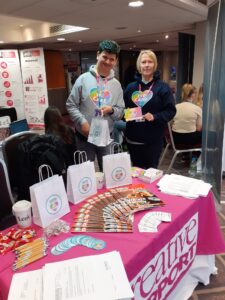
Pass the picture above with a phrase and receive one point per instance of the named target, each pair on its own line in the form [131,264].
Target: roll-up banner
[34,85]
[11,88]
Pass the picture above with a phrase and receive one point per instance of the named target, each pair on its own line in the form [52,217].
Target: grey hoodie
[83,99]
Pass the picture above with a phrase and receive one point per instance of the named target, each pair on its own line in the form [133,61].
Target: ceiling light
[166,36]
[59,29]
[60,39]
[139,30]
[136,3]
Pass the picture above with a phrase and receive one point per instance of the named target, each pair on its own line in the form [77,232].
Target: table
[154,262]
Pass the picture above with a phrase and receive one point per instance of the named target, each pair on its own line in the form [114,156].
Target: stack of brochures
[150,175]
[78,278]
[179,185]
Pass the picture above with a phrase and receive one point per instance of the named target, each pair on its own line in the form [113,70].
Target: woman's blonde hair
[151,55]
[199,101]
[187,91]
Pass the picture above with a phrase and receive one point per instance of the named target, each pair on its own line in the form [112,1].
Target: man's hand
[106,110]
[85,127]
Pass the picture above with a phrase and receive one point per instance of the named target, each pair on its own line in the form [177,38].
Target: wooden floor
[216,289]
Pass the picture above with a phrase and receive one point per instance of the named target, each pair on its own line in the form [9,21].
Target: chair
[9,111]
[11,156]
[6,217]
[178,149]
[41,149]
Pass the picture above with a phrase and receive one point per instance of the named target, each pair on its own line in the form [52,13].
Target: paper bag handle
[116,148]
[40,170]
[81,155]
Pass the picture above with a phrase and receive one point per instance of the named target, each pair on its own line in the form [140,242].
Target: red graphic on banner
[31,53]
[9,102]
[8,94]
[9,54]
[5,74]
[42,100]
[29,80]
[3,65]
[6,84]
[40,79]
[36,52]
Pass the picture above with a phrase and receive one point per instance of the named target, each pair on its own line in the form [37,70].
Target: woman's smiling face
[147,66]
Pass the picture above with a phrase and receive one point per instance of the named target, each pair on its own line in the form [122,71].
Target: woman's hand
[149,117]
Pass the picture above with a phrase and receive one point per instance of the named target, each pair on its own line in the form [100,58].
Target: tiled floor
[216,289]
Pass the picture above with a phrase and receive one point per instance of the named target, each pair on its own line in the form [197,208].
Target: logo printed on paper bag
[53,204]
[85,185]
[118,174]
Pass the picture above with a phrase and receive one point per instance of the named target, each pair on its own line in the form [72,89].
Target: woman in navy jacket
[145,136]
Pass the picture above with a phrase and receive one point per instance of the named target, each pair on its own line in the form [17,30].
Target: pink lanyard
[149,90]
[101,91]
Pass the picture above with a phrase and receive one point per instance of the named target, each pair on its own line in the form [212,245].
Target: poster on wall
[11,88]
[34,85]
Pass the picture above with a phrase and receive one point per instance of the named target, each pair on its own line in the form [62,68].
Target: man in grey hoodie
[96,90]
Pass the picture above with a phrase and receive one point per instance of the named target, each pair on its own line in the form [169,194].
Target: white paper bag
[117,169]
[99,132]
[81,182]
[49,200]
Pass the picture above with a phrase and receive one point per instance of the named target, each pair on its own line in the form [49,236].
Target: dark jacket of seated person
[187,123]
[55,125]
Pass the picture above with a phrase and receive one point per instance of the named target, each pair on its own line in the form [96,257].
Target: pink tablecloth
[161,258]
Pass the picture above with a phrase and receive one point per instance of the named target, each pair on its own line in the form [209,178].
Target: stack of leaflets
[113,210]
[150,175]
[77,278]
[133,114]
[136,172]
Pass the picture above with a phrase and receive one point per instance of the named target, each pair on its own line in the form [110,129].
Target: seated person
[187,123]
[55,125]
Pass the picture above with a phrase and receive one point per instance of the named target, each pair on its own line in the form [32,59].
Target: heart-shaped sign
[100,99]
[141,98]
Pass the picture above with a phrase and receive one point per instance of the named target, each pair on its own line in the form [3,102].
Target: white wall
[198,69]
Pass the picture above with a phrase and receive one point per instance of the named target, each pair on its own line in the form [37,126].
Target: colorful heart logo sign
[104,95]
[141,98]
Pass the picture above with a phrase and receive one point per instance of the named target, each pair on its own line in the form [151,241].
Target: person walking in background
[145,137]
[55,125]
[96,91]
[187,123]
